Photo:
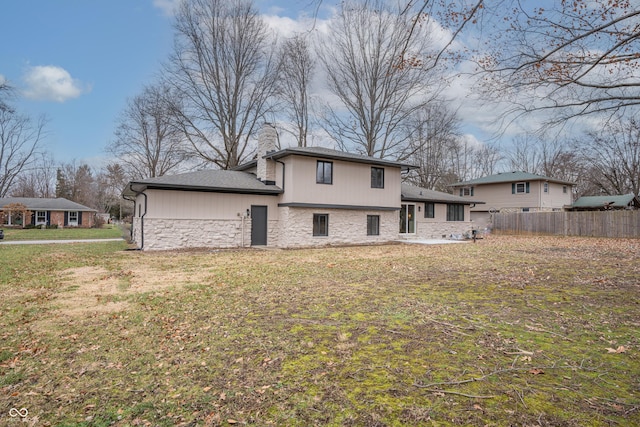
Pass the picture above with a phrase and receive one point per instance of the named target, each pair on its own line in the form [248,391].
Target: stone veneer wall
[167,234]
[437,229]
[162,234]
[345,227]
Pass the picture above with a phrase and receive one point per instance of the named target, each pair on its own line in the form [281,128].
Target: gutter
[138,193]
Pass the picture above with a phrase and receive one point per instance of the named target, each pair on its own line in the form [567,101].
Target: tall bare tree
[224,63]
[569,58]
[38,180]
[297,69]
[20,140]
[78,184]
[614,155]
[365,56]
[432,133]
[147,141]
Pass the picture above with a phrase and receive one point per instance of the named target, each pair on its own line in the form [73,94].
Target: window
[525,209]
[320,224]
[546,187]
[377,177]
[373,225]
[455,212]
[41,217]
[466,191]
[324,172]
[564,189]
[519,187]
[73,218]
[429,210]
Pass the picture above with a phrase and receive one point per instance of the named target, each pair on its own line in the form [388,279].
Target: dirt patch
[92,290]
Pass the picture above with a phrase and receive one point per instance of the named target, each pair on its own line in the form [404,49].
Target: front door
[258,225]
[407,219]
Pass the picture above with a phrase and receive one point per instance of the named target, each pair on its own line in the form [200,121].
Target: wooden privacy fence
[588,223]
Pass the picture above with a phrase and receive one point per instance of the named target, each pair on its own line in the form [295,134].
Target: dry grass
[507,331]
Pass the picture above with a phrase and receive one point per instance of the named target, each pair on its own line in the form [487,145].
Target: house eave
[337,206]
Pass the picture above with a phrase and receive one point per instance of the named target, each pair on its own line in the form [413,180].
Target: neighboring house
[514,192]
[605,203]
[295,197]
[47,211]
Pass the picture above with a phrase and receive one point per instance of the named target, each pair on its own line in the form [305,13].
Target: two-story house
[294,197]
[514,192]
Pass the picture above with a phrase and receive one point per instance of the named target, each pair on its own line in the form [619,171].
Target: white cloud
[51,83]
[168,7]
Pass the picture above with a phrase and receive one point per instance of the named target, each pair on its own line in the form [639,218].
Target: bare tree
[614,156]
[365,55]
[223,62]
[524,154]
[5,92]
[568,58]
[296,69]
[20,139]
[38,180]
[111,181]
[147,142]
[78,184]
[432,132]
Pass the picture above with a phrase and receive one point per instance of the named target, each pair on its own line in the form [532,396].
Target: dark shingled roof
[517,176]
[411,193]
[44,204]
[226,181]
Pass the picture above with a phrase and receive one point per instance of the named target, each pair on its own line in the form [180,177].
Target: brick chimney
[266,168]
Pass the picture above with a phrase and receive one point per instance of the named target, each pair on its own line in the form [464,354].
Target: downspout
[141,216]
[283,169]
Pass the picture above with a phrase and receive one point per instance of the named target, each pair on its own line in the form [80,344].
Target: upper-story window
[519,187]
[324,172]
[377,177]
[466,191]
[546,187]
[564,189]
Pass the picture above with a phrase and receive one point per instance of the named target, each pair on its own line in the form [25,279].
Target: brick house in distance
[58,212]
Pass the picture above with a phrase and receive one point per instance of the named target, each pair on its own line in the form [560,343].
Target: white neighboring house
[295,197]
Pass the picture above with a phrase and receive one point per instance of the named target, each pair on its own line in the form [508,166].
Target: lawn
[507,331]
[104,232]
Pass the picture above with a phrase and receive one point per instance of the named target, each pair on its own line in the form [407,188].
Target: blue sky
[77,62]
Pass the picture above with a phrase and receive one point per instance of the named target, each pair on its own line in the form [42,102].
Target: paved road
[43,242]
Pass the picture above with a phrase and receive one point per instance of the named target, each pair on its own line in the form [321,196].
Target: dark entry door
[258,225]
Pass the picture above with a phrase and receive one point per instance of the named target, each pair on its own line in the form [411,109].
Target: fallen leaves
[620,349]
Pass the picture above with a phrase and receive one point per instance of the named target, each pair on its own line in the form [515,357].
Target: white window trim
[71,222]
[38,221]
